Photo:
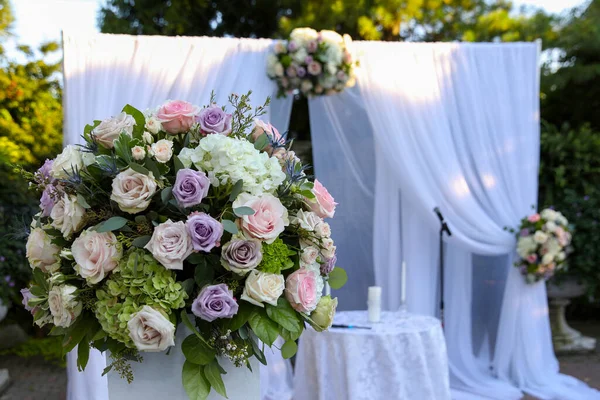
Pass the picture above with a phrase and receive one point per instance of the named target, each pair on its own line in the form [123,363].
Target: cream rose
[307,220]
[66,162]
[138,153]
[153,125]
[133,191]
[548,258]
[323,230]
[96,254]
[309,255]
[67,215]
[162,150]
[150,330]
[40,251]
[540,237]
[148,139]
[328,249]
[64,306]
[170,244]
[263,287]
[110,129]
[269,219]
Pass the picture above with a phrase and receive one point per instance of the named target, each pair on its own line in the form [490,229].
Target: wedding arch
[448,125]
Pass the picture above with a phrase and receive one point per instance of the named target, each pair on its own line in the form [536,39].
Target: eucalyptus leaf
[337,278]
[165,194]
[194,382]
[112,224]
[82,201]
[229,226]
[241,211]
[83,355]
[261,142]
[236,190]
[177,163]
[289,349]
[212,372]
[141,241]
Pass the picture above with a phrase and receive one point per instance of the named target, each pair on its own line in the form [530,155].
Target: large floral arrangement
[542,244]
[181,216]
[314,63]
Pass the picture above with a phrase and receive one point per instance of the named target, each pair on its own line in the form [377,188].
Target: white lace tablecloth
[401,358]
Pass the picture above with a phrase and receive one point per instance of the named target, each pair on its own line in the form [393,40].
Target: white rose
[88,158]
[133,191]
[307,220]
[331,37]
[547,258]
[110,129]
[150,330]
[64,306]
[148,139]
[153,125]
[40,251]
[96,254]
[328,249]
[562,220]
[67,215]
[525,246]
[551,226]
[552,246]
[540,237]
[561,256]
[278,69]
[138,153]
[549,215]
[162,150]
[309,254]
[170,244]
[67,162]
[263,287]
[323,230]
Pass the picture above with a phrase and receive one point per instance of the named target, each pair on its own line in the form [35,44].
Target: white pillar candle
[327,289]
[403,286]
[374,304]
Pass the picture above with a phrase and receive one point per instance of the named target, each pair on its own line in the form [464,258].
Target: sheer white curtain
[102,73]
[456,126]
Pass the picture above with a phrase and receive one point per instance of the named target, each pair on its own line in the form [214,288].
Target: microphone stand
[443,229]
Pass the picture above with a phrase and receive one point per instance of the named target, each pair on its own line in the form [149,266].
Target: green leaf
[229,226]
[165,194]
[241,211]
[291,336]
[82,201]
[337,278]
[152,167]
[245,309]
[188,286]
[123,146]
[264,328]
[40,278]
[112,224]
[203,275]
[261,142]
[141,241]
[138,168]
[186,321]
[284,315]
[77,332]
[196,258]
[258,353]
[289,349]
[212,372]
[194,382]
[236,190]
[38,291]
[107,370]
[177,163]
[196,351]
[138,116]
[83,355]
[308,194]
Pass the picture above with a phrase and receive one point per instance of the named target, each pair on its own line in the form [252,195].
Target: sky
[38,21]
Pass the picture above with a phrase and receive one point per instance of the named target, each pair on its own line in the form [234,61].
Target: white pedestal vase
[565,338]
[159,377]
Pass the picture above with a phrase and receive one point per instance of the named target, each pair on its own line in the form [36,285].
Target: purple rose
[241,256]
[308,60]
[213,119]
[26,297]
[524,232]
[215,301]
[292,46]
[190,187]
[301,71]
[205,231]
[328,266]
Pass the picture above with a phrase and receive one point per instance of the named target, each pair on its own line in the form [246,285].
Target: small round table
[402,357]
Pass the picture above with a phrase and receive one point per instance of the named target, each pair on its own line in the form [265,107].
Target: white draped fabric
[104,72]
[455,126]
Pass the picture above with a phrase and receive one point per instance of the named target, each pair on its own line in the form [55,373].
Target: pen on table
[350,326]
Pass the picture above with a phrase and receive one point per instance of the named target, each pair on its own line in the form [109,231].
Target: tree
[571,81]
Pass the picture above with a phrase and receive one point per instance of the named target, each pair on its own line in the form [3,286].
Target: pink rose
[261,127]
[177,116]
[269,219]
[532,258]
[301,290]
[534,218]
[323,204]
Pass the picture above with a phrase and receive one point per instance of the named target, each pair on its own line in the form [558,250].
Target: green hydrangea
[138,280]
[276,257]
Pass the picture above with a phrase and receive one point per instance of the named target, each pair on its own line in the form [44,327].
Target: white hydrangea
[549,214]
[303,35]
[526,246]
[227,160]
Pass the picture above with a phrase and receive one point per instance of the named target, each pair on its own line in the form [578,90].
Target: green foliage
[50,348]
[571,80]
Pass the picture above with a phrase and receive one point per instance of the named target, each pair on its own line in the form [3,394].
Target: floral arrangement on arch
[313,63]
[542,245]
[181,217]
